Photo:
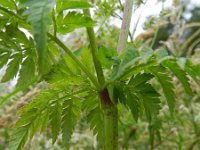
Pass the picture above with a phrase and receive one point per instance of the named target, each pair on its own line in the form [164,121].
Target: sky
[152,7]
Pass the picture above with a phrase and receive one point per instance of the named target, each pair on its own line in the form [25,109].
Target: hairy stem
[110,123]
[94,50]
[110,112]
[125,25]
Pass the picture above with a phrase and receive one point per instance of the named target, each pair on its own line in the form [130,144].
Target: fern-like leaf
[4,58]
[145,53]
[27,71]
[151,100]
[165,81]
[57,106]
[179,73]
[19,136]
[32,119]
[70,115]
[7,4]
[140,79]
[134,105]
[38,15]
[9,42]
[55,117]
[92,107]
[191,69]
[73,20]
[71,4]
[142,92]
[131,56]
[12,67]
[23,128]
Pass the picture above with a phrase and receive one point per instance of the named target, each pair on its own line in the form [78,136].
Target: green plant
[94,82]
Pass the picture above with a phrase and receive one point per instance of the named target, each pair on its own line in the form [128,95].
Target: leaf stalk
[94,50]
[84,69]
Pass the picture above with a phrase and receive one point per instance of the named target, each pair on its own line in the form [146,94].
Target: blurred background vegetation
[177,29]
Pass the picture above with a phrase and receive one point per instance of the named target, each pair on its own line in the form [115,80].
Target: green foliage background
[156,89]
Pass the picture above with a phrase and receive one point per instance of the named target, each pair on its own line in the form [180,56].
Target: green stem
[110,111]
[94,50]
[111,128]
[84,69]
[110,123]
[54,23]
